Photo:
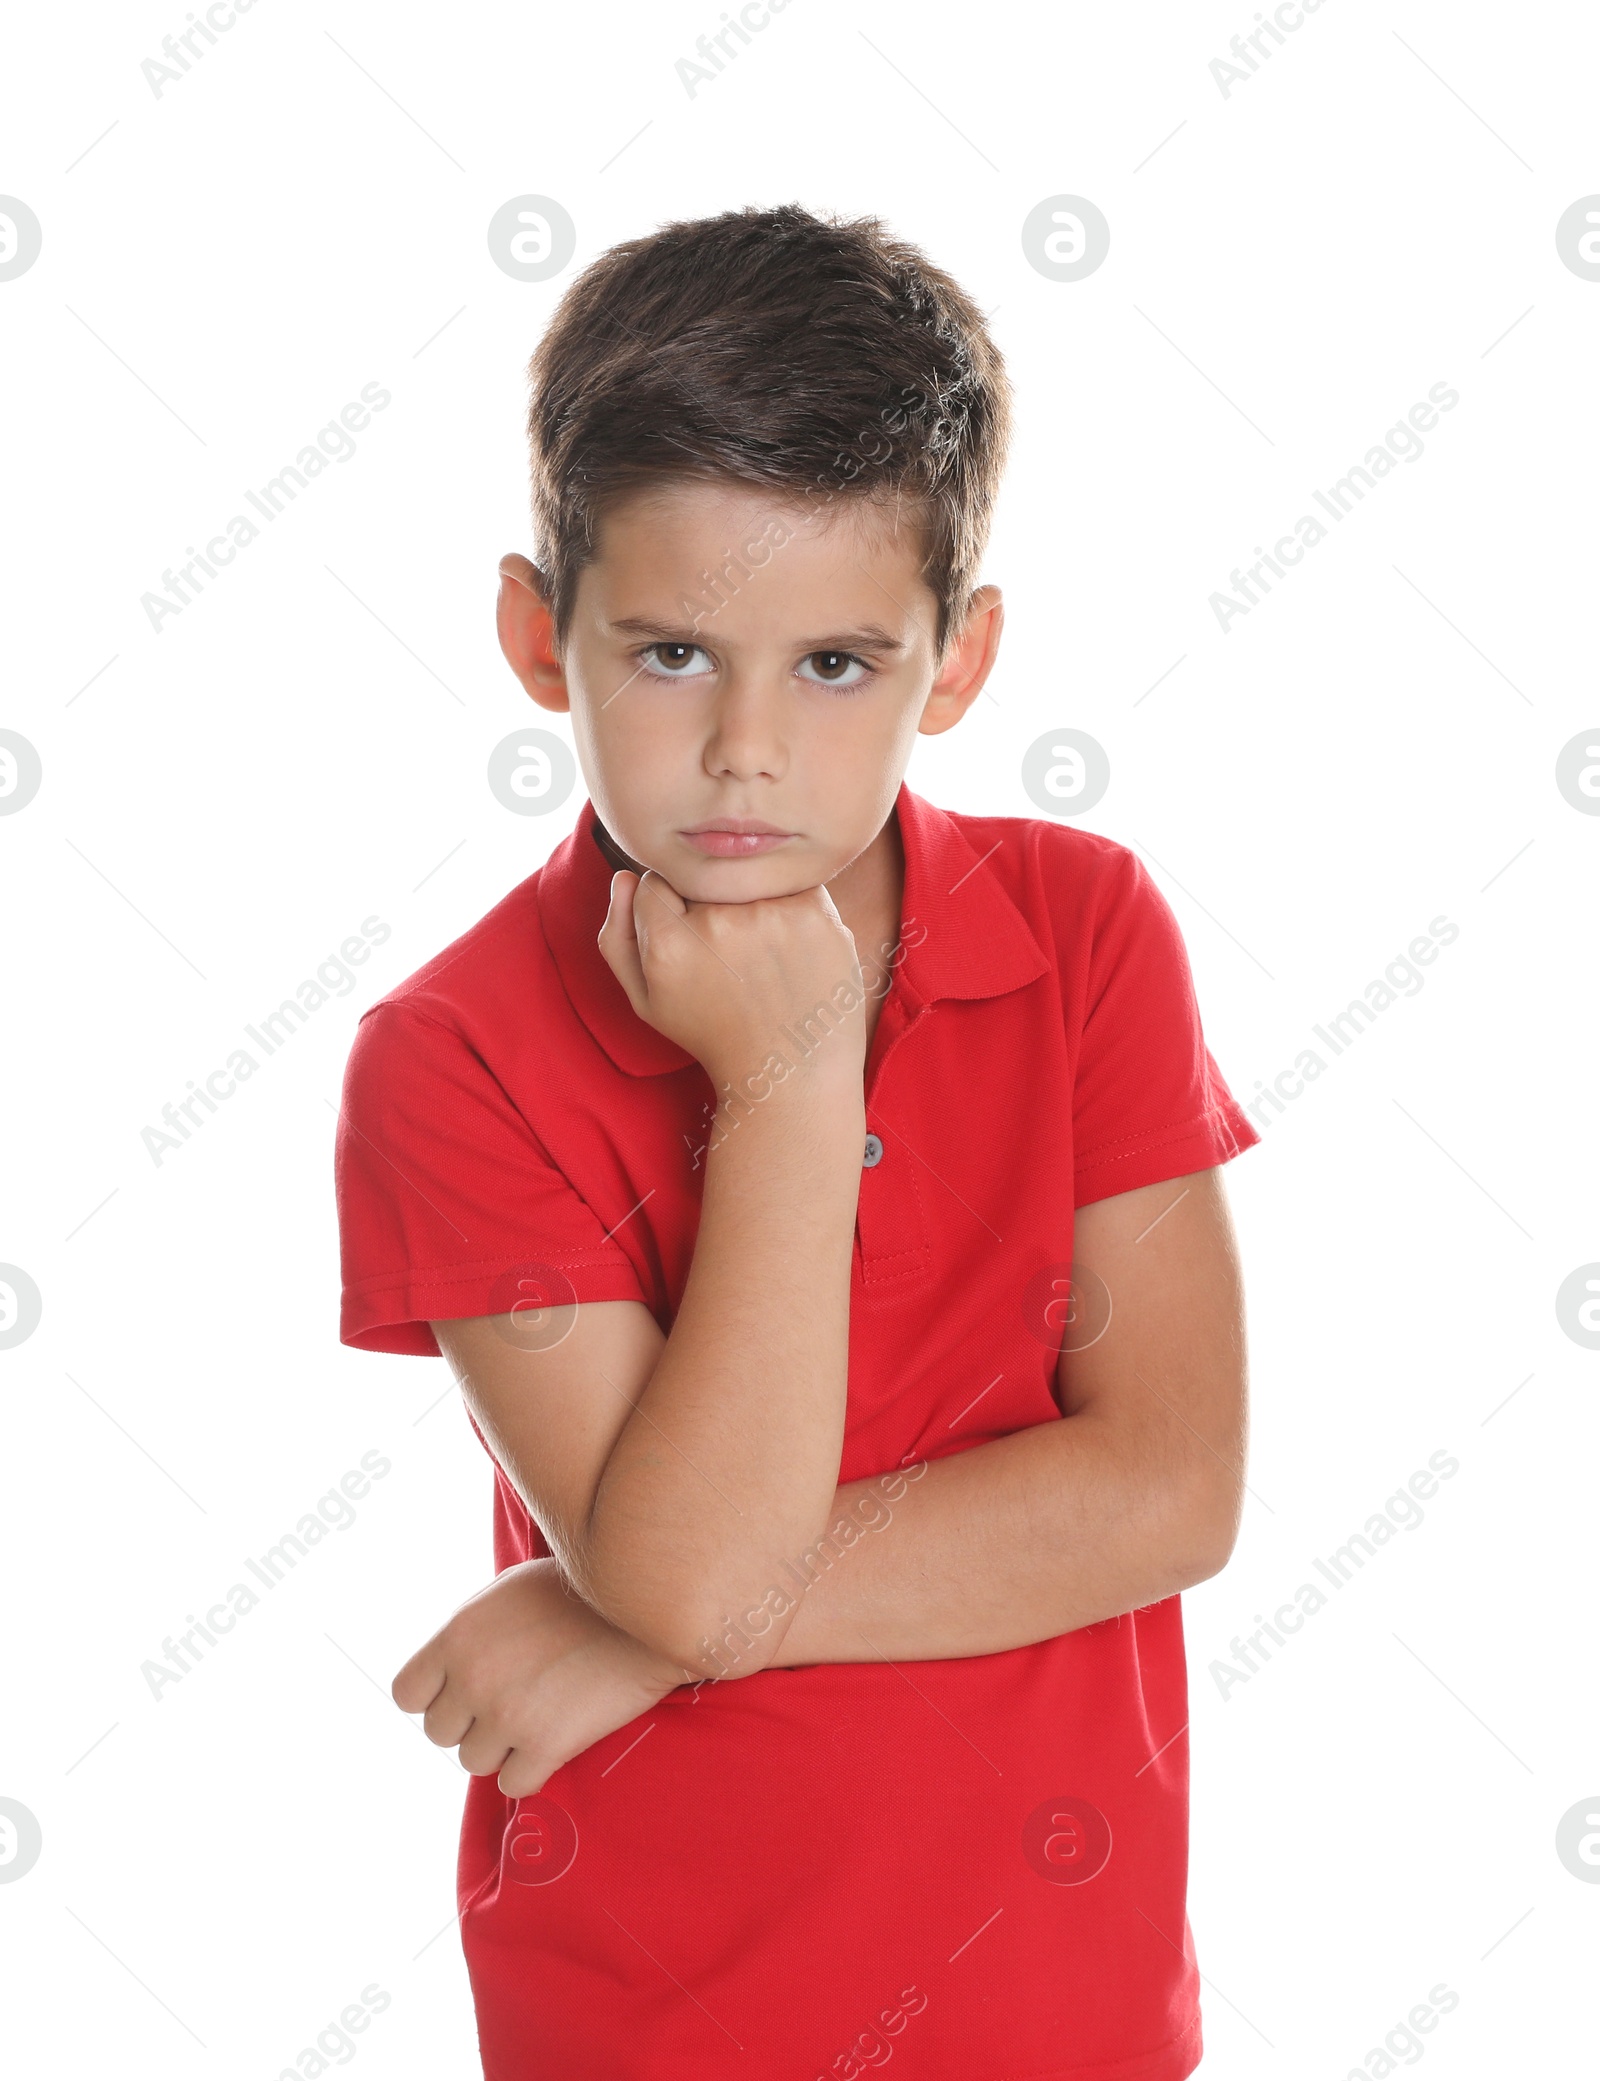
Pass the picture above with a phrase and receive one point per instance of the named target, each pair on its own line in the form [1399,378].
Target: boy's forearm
[730,1461]
[1008,1543]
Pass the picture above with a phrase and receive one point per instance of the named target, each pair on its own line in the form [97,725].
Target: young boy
[789,1161]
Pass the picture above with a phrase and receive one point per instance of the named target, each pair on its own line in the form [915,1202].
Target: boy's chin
[703,878]
[734,882]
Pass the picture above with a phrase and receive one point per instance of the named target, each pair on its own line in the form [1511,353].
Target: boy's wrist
[754,1073]
[830,1091]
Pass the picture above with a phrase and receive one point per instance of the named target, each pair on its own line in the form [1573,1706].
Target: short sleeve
[1149,1101]
[448,1202]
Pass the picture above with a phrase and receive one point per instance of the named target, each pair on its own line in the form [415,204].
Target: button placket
[891,1224]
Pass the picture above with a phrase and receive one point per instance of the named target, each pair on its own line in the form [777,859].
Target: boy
[789,1160]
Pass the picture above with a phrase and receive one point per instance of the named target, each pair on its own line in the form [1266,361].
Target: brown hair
[769,346]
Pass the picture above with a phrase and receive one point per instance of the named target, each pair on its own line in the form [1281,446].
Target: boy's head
[766,449]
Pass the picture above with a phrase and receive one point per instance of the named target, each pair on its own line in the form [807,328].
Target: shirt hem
[1173,2061]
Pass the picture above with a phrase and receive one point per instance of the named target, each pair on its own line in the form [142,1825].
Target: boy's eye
[836,664]
[672,658]
[840,669]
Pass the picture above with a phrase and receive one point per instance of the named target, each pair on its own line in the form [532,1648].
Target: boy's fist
[727,981]
[526,1676]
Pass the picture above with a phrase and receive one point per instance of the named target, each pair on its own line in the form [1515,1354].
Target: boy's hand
[526,1676]
[724,980]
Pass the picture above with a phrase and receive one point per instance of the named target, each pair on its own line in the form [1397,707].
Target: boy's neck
[869,892]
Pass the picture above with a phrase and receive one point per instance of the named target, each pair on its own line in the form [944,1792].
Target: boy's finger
[526,1771]
[829,907]
[482,1750]
[658,911]
[419,1681]
[619,940]
[660,891]
[618,924]
[449,1719]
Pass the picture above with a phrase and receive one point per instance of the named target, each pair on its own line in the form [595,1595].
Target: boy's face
[732,658]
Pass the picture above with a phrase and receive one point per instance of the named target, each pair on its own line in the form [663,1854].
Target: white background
[1292,266]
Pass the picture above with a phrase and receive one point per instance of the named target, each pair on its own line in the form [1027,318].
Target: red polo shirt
[977,1865]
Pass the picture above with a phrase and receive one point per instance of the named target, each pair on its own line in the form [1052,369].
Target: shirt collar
[963,936]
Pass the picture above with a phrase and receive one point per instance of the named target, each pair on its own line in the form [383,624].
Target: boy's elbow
[706,1649]
[638,1608]
[722,1640]
[1212,1527]
[707,1639]
[677,1641]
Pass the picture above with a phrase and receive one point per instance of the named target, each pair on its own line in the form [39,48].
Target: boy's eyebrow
[870,635]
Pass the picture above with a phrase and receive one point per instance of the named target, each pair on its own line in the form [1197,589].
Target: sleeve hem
[392,1313]
[1147,1159]
[492,1267]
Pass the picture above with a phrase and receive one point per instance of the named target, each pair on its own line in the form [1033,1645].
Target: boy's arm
[1136,1494]
[673,1476]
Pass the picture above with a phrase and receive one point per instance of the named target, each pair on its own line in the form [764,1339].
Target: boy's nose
[746,740]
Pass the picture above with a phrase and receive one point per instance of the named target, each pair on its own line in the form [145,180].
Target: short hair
[772,347]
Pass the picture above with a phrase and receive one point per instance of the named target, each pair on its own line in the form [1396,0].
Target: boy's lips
[734,838]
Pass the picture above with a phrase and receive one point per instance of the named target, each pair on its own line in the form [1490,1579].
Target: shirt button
[874,1153]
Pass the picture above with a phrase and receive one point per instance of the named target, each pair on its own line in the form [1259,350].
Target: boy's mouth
[733,838]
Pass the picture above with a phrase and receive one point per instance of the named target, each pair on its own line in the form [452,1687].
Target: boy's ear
[526,630]
[967,664]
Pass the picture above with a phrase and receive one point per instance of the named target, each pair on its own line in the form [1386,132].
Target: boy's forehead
[773,554]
